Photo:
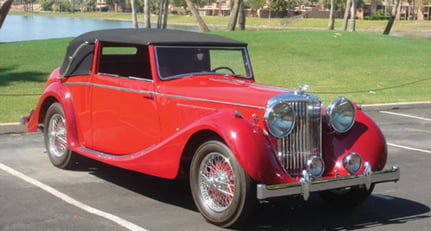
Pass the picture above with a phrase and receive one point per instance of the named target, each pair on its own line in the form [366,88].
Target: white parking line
[385,197]
[409,148]
[405,115]
[120,221]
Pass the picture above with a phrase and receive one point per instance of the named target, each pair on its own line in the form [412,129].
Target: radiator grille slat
[304,140]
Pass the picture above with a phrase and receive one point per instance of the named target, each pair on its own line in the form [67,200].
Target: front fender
[365,138]
[249,144]
[56,92]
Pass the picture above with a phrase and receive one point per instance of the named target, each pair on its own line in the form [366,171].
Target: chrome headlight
[341,114]
[280,119]
[315,166]
[352,162]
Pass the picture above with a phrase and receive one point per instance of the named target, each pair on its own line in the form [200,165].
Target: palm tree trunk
[331,15]
[346,14]
[241,16]
[165,15]
[392,18]
[233,15]
[147,17]
[134,18]
[353,15]
[202,26]
[4,10]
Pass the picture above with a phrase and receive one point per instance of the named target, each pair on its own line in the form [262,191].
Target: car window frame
[243,49]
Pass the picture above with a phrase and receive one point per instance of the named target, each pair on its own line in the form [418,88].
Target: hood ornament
[301,89]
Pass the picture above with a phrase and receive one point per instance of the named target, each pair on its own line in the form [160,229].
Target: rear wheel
[55,135]
[222,191]
[347,197]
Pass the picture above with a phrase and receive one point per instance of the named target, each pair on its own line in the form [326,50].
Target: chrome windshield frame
[245,56]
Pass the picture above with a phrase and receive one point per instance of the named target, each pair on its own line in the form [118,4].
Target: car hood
[221,89]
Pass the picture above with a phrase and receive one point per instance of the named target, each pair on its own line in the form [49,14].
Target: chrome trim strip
[305,186]
[115,156]
[211,101]
[71,58]
[165,95]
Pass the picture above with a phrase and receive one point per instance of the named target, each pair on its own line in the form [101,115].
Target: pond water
[24,28]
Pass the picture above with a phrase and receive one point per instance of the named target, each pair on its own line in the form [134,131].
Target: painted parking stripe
[409,148]
[385,197]
[118,220]
[405,115]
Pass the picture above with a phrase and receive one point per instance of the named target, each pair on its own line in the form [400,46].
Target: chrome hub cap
[216,182]
[57,142]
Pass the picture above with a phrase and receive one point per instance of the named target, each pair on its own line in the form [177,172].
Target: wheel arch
[249,144]
[58,93]
[47,102]
[193,144]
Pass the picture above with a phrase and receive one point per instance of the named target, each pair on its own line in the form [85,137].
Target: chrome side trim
[165,95]
[115,156]
[305,185]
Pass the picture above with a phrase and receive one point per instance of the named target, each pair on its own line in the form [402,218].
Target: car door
[123,104]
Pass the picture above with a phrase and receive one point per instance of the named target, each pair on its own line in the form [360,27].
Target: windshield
[175,62]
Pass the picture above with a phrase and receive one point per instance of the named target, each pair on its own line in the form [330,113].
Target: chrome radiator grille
[305,138]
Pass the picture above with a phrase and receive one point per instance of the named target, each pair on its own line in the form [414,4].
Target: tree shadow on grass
[281,214]
[10,74]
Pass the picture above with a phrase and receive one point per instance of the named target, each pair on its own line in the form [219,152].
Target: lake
[24,28]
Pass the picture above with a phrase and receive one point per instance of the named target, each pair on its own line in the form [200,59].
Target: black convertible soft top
[82,57]
[156,37]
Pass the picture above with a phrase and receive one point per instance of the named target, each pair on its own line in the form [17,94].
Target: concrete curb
[17,128]
[12,128]
[394,106]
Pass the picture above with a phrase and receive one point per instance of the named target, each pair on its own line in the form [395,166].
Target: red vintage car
[169,103]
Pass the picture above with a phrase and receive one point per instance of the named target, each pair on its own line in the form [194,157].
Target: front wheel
[347,197]
[222,191]
[55,135]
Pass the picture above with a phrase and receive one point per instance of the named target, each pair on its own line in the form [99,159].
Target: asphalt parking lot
[34,195]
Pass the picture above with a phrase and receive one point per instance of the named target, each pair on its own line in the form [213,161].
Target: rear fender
[56,92]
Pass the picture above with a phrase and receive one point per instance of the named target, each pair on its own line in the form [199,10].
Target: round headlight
[352,162]
[315,166]
[341,114]
[280,119]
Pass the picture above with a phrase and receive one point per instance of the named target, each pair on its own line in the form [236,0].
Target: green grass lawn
[356,65]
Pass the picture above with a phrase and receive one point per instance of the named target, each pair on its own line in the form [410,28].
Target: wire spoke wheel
[217,182]
[221,189]
[55,134]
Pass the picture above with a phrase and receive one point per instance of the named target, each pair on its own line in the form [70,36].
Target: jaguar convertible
[172,103]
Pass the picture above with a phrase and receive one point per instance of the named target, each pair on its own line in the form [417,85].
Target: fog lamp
[315,166]
[352,162]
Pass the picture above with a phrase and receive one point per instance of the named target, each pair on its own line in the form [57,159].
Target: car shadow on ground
[280,214]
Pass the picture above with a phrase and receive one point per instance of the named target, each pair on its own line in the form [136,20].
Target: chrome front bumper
[307,185]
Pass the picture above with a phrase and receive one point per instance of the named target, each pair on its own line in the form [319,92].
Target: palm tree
[353,15]
[147,17]
[331,15]
[392,18]
[134,18]
[4,10]
[346,14]
[233,15]
[202,26]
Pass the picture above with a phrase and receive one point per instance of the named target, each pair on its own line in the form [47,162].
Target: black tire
[55,135]
[346,198]
[222,191]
